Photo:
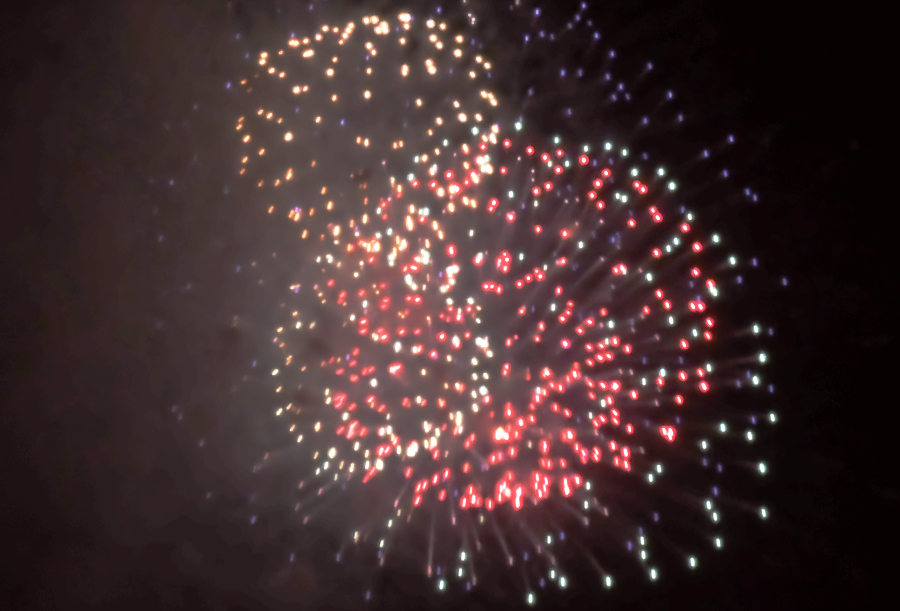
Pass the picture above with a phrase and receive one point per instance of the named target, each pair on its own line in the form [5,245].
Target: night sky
[103,494]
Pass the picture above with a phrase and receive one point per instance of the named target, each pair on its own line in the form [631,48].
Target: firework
[514,339]
[336,110]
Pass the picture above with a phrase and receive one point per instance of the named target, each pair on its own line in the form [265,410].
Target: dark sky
[102,503]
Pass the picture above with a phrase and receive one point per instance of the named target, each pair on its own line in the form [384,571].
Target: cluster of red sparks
[404,279]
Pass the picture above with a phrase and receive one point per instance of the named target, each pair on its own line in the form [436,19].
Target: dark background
[100,502]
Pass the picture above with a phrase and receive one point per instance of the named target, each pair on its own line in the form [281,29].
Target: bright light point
[653,574]
[763,513]
[607,581]
[718,543]
[762,467]
[692,562]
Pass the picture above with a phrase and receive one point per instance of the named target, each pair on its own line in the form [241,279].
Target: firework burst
[516,340]
[351,104]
